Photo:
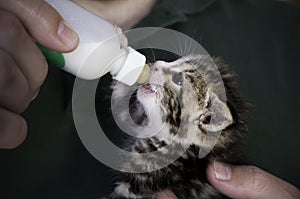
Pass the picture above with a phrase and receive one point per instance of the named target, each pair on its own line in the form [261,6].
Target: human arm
[124,14]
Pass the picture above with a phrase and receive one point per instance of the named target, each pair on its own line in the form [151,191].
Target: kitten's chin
[137,111]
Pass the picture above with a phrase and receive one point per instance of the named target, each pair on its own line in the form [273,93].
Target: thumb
[43,23]
[166,194]
[249,182]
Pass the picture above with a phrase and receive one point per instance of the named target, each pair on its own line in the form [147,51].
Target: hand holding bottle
[23,68]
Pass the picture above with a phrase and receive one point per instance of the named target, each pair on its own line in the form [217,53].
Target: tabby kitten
[183,103]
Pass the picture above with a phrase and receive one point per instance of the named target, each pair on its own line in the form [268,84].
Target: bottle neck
[128,67]
[117,65]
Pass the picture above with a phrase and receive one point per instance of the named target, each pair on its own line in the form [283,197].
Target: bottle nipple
[145,75]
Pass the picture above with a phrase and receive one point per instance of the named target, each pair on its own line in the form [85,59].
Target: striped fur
[190,111]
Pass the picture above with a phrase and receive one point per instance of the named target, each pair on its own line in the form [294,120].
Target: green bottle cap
[53,57]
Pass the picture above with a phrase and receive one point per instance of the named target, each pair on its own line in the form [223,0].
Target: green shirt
[258,39]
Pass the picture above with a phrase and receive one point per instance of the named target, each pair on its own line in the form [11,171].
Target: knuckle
[12,97]
[10,26]
[44,71]
[40,10]
[22,105]
[6,70]
[40,75]
[259,181]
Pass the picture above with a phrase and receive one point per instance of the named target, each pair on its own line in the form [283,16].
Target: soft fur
[185,97]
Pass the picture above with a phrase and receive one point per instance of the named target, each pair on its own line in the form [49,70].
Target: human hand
[165,195]
[243,182]
[249,182]
[23,68]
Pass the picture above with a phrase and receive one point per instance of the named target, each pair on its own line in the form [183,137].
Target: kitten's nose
[158,64]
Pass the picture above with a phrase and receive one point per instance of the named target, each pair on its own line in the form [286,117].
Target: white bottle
[99,50]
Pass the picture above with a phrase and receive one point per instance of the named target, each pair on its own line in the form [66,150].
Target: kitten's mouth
[144,95]
[148,88]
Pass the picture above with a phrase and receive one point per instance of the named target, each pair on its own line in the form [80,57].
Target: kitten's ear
[218,116]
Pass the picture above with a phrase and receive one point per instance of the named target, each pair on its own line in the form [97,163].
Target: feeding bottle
[99,50]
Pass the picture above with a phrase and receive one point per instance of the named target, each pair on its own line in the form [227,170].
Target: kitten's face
[181,96]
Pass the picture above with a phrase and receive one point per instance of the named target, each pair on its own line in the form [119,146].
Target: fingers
[23,68]
[15,94]
[16,42]
[249,182]
[14,98]
[13,129]
[43,23]
[167,194]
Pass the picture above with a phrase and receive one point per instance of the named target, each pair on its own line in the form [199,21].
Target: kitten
[184,106]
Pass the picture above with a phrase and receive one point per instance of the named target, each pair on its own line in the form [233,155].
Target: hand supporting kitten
[244,182]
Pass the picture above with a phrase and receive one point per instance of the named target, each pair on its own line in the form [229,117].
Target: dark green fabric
[258,39]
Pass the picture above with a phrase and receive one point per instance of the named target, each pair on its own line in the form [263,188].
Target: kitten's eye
[177,78]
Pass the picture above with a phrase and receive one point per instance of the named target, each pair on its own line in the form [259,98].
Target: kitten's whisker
[152,51]
[180,46]
[191,49]
[184,48]
[177,47]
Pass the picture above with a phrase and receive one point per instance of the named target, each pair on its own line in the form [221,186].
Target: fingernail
[67,35]
[222,171]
